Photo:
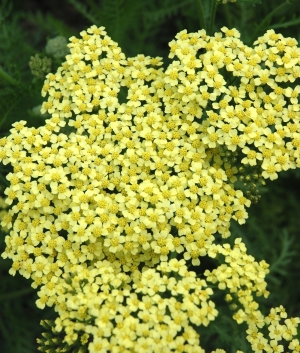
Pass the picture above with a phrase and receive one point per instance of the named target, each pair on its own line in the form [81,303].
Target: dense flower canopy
[150,311]
[138,162]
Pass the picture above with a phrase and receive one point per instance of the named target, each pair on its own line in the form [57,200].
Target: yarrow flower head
[152,310]
[243,277]
[280,332]
[138,162]
[3,213]
[134,180]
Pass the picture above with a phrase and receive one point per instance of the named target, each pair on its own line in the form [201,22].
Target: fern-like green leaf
[283,259]
[294,22]
[51,24]
[83,10]
[169,9]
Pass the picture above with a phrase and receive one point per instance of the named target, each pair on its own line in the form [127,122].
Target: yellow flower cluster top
[152,311]
[133,163]
[134,181]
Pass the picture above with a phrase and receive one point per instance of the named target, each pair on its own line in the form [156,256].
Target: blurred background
[27,28]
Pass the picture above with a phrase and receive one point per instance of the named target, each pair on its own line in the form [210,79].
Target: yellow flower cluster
[259,111]
[219,350]
[243,276]
[280,333]
[150,311]
[131,167]
[280,328]
[3,213]
[128,181]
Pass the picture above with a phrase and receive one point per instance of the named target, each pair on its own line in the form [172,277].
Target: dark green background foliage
[272,231]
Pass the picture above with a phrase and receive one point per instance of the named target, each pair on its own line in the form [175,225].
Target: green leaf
[5,10]
[85,12]
[283,259]
[51,24]
[286,24]
[168,10]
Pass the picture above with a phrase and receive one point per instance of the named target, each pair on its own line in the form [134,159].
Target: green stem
[15,294]
[7,78]
[201,17]
[5,332]
[227,16]
[212,16]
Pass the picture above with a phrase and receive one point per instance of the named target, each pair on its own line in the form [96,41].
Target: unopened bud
[39,66]
[57,47]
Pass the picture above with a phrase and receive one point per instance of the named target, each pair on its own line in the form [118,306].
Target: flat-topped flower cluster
[149,311]
[131,166]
